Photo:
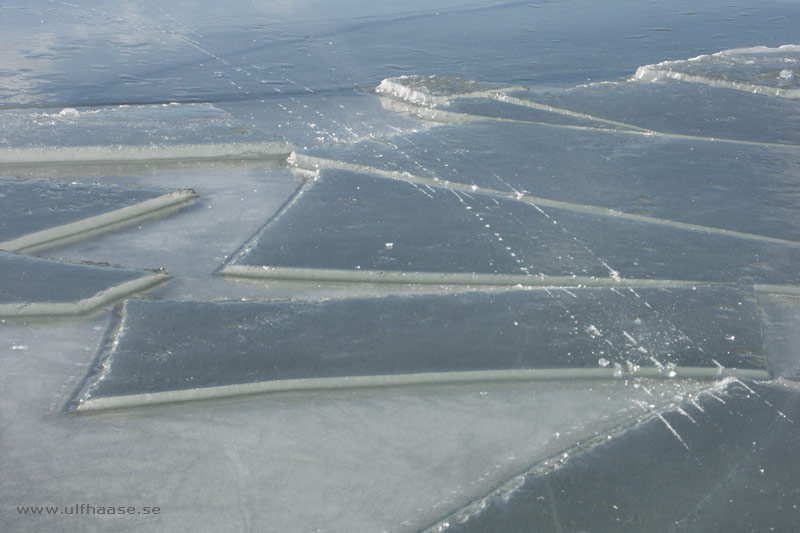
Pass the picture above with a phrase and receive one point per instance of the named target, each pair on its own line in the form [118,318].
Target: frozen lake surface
[450,265]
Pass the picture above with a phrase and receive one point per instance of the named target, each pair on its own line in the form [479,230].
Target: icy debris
[759,70]
[432,91]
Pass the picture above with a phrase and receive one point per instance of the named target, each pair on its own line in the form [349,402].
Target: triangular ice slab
[31,287]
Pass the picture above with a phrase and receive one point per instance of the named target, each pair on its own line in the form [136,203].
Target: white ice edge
[314,163]
[56,236]
[394,88]
[92,154]
[447,278]
[79,307]
[393,380]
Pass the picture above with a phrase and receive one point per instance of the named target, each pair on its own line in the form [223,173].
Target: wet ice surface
[308,72]
[730,450]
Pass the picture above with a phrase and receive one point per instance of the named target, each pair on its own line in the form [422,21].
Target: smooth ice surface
[726,460]
[759,70]
[168,346]
[31,205]
[30,286]
[357,222]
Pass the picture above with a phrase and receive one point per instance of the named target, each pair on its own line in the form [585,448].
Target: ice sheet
[307,70]
[171,351]
[730,451]
[354,225]
[32,287]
